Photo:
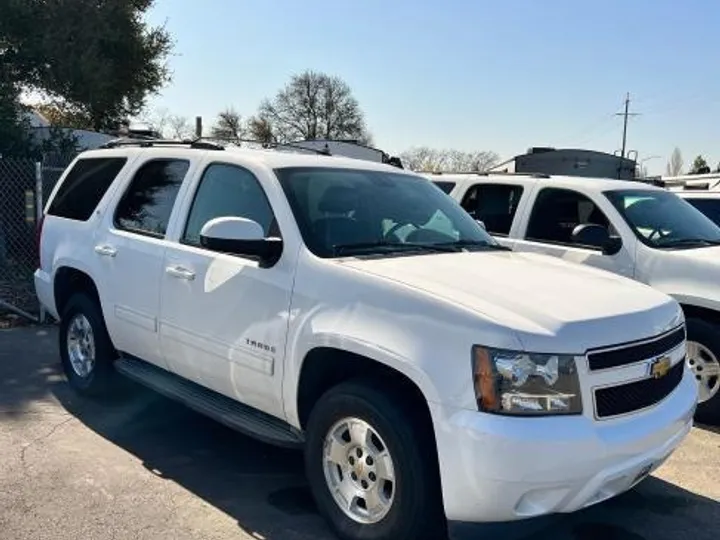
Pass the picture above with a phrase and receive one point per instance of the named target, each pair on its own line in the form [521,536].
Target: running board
[229,412]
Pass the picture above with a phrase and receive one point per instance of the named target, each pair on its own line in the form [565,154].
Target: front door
[223,317]
[555,213]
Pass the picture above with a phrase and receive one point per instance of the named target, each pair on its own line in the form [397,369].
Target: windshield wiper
[680,242]
[392,246]
[475,243]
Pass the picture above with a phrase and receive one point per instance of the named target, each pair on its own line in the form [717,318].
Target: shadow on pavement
[707,427]
[28,366]
[263,487]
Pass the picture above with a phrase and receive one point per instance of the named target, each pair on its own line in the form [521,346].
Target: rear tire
[86,351]
[704,361]
[364,442]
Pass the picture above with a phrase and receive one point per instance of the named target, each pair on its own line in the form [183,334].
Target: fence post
[39,206]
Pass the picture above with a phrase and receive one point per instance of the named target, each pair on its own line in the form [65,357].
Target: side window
[446,186]
[228,190]
[146,206]
[84,186]
[709,207]
[494,205]
[558,211]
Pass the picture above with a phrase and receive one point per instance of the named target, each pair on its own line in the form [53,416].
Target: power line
[625,114]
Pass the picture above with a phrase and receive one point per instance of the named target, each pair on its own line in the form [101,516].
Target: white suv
[353,309]
[627,227]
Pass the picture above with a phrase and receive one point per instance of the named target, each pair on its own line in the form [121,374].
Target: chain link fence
[24,185]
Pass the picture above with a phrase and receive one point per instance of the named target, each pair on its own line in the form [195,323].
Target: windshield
[661,219]
[351,211]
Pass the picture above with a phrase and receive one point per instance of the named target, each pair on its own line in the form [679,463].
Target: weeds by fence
[24,184]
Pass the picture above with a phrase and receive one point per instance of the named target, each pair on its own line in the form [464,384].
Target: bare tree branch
[314,106]
[261,129]
[179,127]
[229,125]
[428,159]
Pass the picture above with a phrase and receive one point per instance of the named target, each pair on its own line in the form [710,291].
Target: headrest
[338,199]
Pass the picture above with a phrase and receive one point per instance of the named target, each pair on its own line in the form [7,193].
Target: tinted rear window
[84,186]
[709,207]
[447,187]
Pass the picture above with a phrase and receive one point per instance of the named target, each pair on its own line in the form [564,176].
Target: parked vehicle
[350,308]
[708,202]
[630,228]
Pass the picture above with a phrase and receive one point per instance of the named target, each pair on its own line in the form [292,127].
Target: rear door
[553,213]
[129,250]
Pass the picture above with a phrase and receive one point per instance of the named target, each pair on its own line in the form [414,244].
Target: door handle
[180,272]
[106,250]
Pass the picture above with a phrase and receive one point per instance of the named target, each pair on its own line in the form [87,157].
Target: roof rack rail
[487,173]
[199,143]
[273,145]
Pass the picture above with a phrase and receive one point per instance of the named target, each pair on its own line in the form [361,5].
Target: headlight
[520,383]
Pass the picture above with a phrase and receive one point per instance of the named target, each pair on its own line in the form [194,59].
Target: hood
[707,254]
[552,305]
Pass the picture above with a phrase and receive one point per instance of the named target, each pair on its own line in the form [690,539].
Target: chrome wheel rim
[359,470]
[81,345]
[706,368]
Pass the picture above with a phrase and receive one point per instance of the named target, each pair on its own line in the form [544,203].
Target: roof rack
[199,143]
[273,145]
[486,173]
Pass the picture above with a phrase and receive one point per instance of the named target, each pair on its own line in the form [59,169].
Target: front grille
[637,395]
[635,352]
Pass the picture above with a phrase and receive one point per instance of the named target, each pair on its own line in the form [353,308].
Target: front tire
[372,466]
[86,351]
[703,358]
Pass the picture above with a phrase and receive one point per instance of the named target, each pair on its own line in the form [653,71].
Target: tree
[100,59]
[675,165]
[58,116]
[428,159]
[179,127]
[314,106]
[699,166]
[229,125]
[261,129]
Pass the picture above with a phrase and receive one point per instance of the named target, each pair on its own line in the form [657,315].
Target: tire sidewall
[98,377]
[708,334]
[415,493]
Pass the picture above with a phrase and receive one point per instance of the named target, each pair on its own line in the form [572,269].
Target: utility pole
[626,114]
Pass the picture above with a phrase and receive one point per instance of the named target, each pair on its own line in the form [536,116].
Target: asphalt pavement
[147,468]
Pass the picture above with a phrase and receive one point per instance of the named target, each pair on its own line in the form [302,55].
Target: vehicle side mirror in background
[241,236]
[590,234]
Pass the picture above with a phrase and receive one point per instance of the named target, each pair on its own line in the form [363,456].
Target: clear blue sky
[471,74]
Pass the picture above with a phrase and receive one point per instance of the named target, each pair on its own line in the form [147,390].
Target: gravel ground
[147,469]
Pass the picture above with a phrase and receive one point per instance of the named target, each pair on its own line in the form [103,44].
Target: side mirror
[241,236]
[589,234]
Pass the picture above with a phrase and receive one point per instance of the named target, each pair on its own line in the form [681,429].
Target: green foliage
[699,166]
[99,59]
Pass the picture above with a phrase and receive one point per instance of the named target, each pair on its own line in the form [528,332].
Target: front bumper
[499,468]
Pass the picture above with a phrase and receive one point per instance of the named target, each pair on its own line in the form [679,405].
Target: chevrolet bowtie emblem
[660,367]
